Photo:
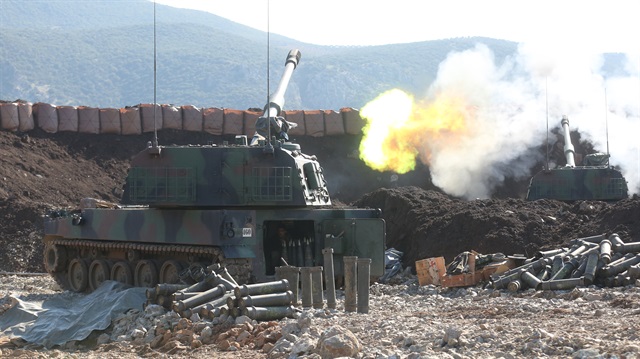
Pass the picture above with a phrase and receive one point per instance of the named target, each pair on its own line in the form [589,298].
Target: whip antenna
[606,121]
[268,71]
[155,103]
[546,95]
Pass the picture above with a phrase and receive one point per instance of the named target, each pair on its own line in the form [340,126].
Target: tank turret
[594,180]
[268,172]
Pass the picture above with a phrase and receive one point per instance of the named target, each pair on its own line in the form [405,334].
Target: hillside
[41,172]
[101,54]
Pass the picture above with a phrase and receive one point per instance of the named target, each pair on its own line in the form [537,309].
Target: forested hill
[101,53]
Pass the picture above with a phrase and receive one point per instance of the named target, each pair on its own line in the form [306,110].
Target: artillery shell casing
[232,301]
[267,300]
[329,277]
[613,269]
[514,285]
[182,296]
[350,283]
[317,295]
[200,298]
[550,253]
[364,274]
[634,272]
[615,240]
[631,247]
[530,279]
[566,269]
[562,284]
[307,287]
[224,273]
[269,313]
[605,251]
[197,287]
[544,273]
[557,264]
[592,239]
[292,275]
[261,288]
[503,281]
[590,268]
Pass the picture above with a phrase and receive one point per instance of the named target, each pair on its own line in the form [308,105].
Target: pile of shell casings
[597,260]
[216,293]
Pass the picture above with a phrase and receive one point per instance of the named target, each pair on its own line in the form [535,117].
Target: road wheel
[121,272]
[78,275]
[170,272]
[146,274]
[99,271]
[55,258]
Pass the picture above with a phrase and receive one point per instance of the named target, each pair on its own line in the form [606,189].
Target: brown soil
[40,172]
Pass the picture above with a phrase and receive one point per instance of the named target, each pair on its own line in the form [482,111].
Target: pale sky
[589,25]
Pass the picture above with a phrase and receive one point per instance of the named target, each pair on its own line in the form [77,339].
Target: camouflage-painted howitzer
[594,180]
[189,207]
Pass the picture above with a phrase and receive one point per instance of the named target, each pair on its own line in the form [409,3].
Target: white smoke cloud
[513,101]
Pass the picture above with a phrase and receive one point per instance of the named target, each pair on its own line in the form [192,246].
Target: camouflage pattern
[596,180]
[244,206]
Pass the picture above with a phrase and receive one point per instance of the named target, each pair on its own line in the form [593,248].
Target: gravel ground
[405,320]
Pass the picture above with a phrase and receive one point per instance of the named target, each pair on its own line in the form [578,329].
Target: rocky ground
[405,320]
[39,172]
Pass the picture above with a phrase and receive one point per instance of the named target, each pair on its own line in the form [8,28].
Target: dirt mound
[425,223]
[41,171]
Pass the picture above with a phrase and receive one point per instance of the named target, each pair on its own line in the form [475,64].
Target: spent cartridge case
[244,290]
[200,298]
[562,284]
[269,313]
[267,300]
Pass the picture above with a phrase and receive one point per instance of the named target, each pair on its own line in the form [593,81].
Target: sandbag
[314,123]
[9,119]
[353,123]
[333,123]
[25,113]
[233,122]
[171,117]
[250,118]
[110,121]
[67,118]
[147,112]
[46,117]
[130,121]
[191,118]
[213,120]
[297,117]
[88,120]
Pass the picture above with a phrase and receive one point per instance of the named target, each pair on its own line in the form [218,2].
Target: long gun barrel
[569,151]
[271,116]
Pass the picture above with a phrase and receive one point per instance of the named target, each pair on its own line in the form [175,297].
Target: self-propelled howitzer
[245,206]
[594,180]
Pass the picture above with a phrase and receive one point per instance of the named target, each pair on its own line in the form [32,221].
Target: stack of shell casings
[217,293]
[598,260]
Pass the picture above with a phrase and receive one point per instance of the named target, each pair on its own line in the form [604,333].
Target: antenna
[269,145]
[546,95]
[155,103]
[606,121]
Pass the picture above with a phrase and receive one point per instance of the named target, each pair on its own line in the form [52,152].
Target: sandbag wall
[24,116]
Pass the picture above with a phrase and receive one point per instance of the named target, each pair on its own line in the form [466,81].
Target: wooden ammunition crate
[430,270]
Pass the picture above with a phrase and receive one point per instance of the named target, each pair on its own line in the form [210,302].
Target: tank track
[57,262]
